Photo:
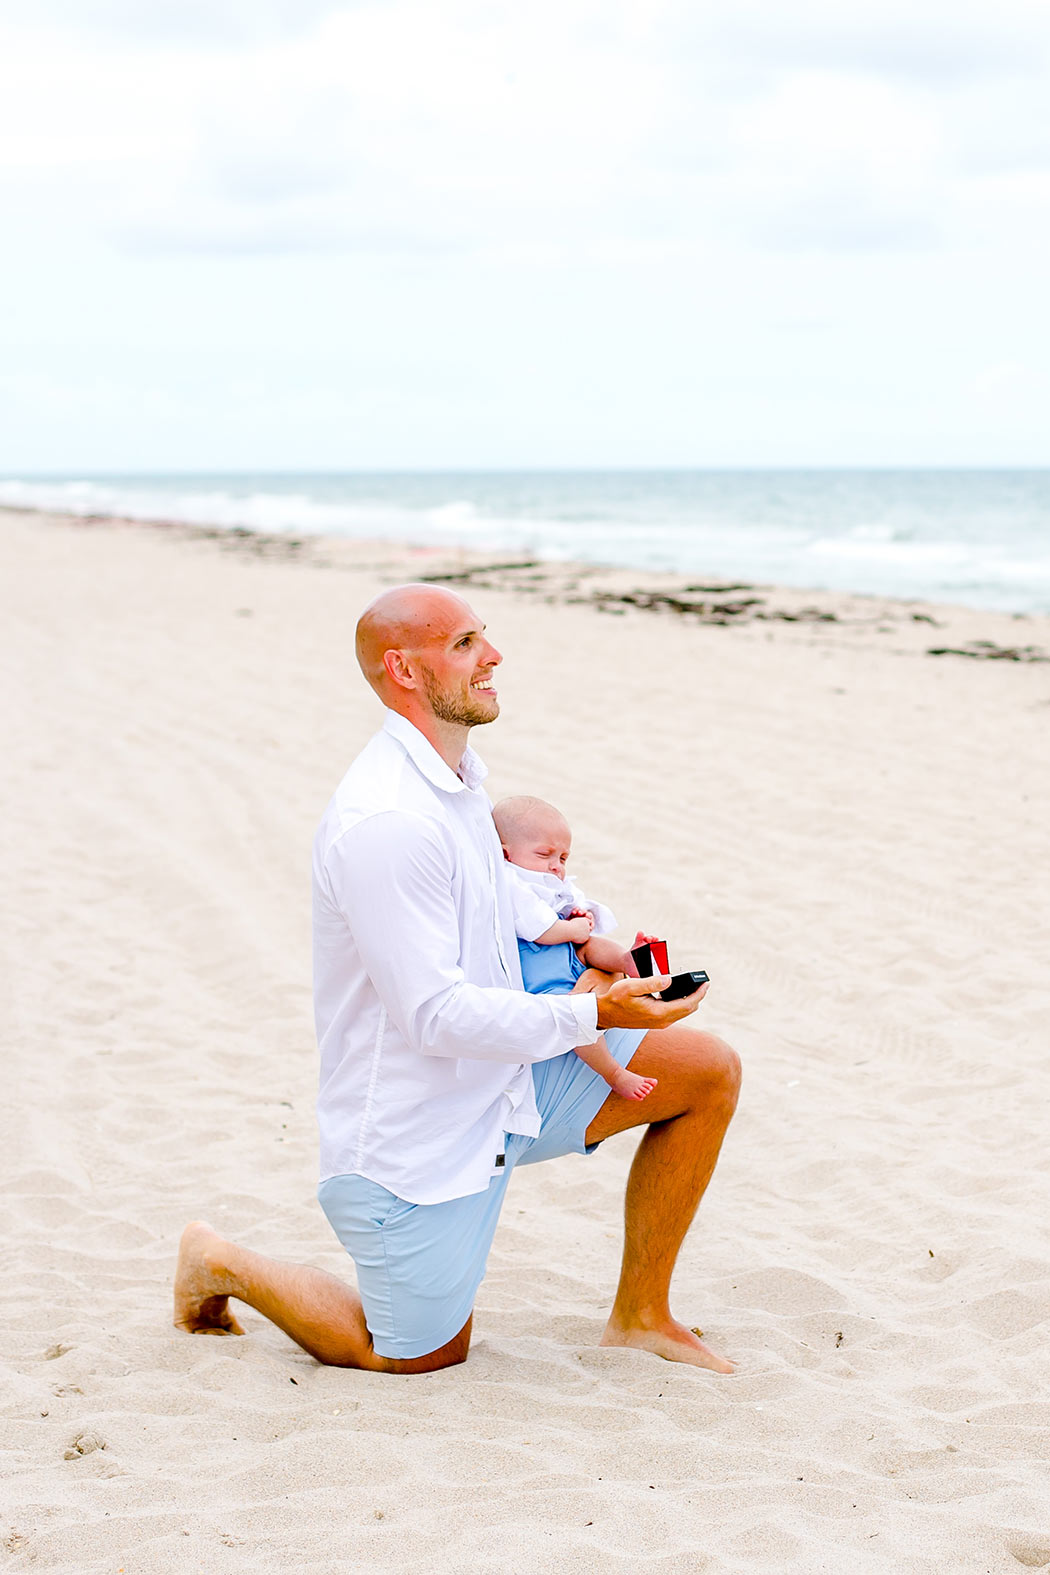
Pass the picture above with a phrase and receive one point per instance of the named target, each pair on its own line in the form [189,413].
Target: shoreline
[971,536]
[953,629]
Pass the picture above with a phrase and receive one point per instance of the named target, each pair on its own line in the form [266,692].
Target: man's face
[544,843]
[456,666]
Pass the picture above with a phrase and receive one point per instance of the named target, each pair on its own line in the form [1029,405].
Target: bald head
[521,815]
[534,834]
[424,651]
[407,619]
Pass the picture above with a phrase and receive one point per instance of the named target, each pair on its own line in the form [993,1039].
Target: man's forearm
[490,1024]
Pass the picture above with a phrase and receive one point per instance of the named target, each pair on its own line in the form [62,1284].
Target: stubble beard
[462,711]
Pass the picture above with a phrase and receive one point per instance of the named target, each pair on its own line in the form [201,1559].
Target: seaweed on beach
[231,538]
[740,610]
[715,603]
[655,601]
[681,603]
[471,576]
[800,615]
[988,651]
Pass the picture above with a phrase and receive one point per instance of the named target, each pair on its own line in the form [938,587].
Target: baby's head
[534,834]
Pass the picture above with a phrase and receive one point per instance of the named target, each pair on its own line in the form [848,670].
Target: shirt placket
[488,834]
[497,928]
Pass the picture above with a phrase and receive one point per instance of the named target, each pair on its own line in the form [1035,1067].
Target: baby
[560,933]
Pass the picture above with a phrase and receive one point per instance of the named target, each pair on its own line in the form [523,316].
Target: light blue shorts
[419,1265]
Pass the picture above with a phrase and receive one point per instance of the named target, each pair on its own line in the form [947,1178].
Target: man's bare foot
[630,1086]
[201,1307]
[671,1340]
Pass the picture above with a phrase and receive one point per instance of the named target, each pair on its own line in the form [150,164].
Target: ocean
[980,538]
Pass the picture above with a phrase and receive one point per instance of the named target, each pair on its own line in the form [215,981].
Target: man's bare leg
[698,1080]
[315,1309]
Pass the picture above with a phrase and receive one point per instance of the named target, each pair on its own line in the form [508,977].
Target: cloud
[395,121]
[1011,381]
[567,129]
[935,43]
[212,23]
[828,163]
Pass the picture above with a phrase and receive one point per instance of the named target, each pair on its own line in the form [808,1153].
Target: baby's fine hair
[513,816]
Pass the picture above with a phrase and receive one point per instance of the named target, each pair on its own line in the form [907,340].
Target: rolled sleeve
[585,1006]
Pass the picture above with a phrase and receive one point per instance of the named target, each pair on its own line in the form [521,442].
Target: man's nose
[494,657]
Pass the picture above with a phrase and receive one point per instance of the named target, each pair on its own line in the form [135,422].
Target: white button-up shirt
[425,1032]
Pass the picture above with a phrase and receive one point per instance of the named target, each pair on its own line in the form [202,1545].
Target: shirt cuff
[585,1008]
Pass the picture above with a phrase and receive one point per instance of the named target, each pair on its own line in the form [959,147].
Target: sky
[396,234]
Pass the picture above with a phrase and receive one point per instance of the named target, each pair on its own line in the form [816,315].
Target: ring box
[684,984]
[651,959]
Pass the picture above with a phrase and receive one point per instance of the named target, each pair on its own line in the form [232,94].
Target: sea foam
[976,537]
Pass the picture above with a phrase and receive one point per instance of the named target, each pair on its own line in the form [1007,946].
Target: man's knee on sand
[451,1355]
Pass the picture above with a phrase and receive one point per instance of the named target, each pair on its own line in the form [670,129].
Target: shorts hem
[407,1350]
[564,1131]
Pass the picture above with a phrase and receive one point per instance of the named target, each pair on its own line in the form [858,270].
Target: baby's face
[543,844]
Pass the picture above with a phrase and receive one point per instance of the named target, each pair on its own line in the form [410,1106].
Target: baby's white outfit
[541,898]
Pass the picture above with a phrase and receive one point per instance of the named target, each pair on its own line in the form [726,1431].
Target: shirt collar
[472,768]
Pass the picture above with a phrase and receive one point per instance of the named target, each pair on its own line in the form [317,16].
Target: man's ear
[399,669]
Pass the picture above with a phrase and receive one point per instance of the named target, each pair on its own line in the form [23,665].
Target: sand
[848,833]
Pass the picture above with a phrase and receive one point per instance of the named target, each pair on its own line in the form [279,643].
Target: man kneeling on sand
[439,1073]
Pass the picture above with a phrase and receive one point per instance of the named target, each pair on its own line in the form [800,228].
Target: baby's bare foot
[629,1085]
